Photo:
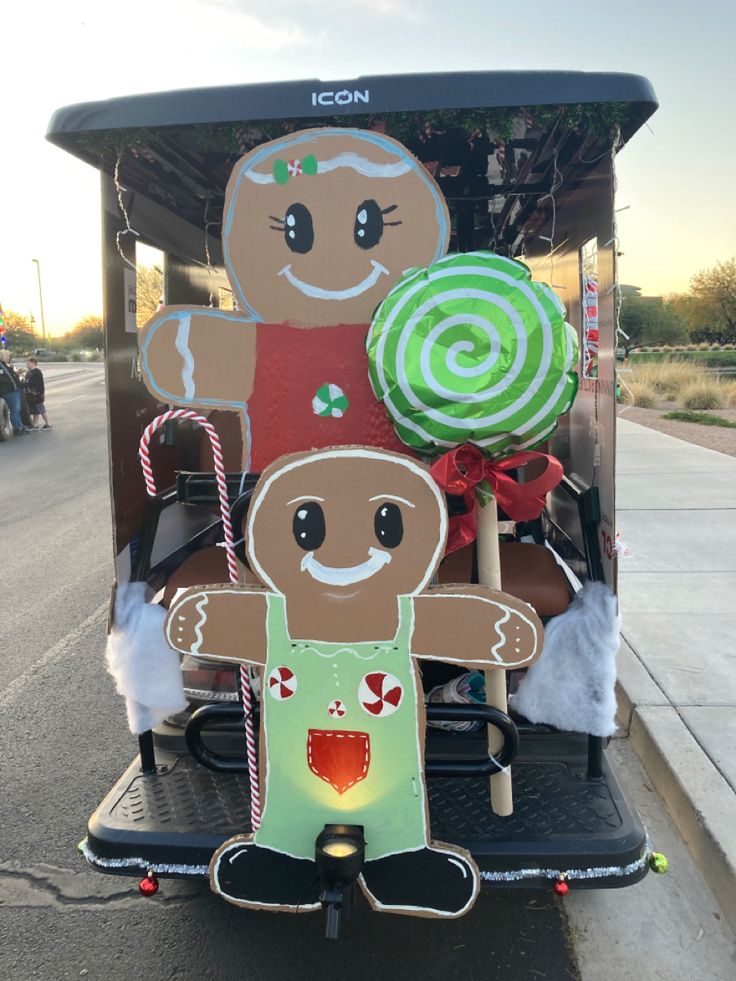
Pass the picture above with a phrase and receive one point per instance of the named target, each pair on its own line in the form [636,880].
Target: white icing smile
[345,576]
[320,294]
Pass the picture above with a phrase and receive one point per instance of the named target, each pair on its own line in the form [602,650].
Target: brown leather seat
[528,571]
[204,568]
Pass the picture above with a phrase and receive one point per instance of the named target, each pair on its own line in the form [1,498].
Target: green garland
[601,120]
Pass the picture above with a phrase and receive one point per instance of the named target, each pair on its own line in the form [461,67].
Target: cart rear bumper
[172,821]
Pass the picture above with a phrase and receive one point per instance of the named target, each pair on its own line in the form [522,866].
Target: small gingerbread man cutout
[346,541]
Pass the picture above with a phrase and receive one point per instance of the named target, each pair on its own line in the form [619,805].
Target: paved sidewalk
[676,511]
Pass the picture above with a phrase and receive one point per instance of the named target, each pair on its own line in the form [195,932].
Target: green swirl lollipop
[470,350]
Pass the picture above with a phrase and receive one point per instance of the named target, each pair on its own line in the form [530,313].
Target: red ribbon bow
[460,471]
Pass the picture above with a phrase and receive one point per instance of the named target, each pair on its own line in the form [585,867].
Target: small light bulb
[339,849]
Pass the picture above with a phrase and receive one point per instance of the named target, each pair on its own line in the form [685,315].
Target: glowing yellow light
[339,849]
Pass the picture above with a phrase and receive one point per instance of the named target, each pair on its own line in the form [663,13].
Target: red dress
[311,390]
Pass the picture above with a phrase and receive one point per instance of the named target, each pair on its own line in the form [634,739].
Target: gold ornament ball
[659,863]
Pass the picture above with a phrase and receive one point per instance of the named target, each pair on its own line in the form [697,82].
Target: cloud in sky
[681,216]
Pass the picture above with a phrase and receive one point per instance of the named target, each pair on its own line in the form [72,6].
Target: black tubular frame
[589,512]
[139,573]
[229,718]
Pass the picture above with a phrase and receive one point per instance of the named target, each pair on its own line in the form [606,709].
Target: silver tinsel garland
[140,864]
[599,872]
[516,875]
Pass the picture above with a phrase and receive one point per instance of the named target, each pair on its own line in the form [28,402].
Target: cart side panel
[130,406]
[585,440]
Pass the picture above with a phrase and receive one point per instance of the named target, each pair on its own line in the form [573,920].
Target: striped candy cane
[245,686]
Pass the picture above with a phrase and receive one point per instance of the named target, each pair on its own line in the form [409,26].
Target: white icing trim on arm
[182,346]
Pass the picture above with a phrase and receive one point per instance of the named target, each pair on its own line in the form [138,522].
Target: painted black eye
[388,525]
[368,225]
[308,526]
[298,229]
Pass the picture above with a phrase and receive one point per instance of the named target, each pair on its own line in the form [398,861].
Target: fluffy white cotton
[572,685]
[146,670]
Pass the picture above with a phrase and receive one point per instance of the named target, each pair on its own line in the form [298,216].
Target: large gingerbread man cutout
[317,228]
[346,541]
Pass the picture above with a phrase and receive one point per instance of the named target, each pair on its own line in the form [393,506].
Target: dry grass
[701,395]
[683,382]
[667,379]
[728,390]
[639,394]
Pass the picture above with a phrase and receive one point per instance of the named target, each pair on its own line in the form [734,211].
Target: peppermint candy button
[282,683]
[330,400]
[380,694]
[336,709]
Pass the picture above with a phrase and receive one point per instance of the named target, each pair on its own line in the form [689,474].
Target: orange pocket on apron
[341,759]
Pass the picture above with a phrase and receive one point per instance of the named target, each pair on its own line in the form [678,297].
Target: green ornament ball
[659,863]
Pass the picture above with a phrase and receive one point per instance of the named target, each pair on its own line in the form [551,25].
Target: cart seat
[208,567]
[528,571]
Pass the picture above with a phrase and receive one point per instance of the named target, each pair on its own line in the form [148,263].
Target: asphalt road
[64,742]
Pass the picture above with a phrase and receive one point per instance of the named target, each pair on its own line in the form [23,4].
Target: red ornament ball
[561,887]
[149,885]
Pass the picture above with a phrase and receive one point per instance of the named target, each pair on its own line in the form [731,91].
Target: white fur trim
[571,686]
[146,670]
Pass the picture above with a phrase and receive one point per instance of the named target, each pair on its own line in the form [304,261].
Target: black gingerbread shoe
[438,881]
[259,878]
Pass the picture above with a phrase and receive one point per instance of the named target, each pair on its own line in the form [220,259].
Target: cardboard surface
[347,540]
[317,228]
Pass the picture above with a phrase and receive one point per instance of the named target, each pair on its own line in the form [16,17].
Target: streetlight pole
[40,299]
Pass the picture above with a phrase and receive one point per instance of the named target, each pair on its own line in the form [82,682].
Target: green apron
[342,740]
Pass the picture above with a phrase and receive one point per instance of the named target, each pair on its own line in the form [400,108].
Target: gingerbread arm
[224,623]
[192,356]
[475,626]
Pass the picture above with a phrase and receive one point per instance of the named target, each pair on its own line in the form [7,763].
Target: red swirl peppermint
[282,683]
[380,694]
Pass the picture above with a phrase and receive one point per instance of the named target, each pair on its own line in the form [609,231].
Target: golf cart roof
[178,148]
[365,94]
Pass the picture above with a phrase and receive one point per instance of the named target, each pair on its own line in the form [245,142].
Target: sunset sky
[676,177]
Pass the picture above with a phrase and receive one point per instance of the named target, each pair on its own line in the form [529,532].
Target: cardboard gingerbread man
[346,541]
[317,228]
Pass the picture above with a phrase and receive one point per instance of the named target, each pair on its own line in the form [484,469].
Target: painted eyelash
[277,228]
[387,211]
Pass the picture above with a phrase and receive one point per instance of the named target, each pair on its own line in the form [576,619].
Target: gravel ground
[712,437]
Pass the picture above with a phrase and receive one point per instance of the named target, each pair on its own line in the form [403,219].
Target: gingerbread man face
[320,224]
[346,523]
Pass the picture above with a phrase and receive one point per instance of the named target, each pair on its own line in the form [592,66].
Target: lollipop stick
[489,574]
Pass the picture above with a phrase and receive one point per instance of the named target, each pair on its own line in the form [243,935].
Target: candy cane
[245,687]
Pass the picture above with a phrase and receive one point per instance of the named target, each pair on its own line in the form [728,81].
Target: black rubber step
[562,823]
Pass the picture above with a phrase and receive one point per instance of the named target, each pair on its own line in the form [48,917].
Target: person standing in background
[35,394]
[10,390]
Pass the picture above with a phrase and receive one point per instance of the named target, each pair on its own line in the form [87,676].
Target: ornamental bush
[702,395]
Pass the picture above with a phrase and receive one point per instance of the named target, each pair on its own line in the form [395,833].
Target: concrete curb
[700,801]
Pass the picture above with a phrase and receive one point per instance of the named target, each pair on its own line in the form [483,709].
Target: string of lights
[128,230]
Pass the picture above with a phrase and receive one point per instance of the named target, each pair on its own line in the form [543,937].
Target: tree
[149,288]
[87,332]
[19,333]
[713,309]
[650,320]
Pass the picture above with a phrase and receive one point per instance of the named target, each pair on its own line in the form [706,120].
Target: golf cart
[525,165]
